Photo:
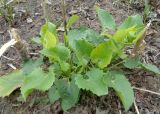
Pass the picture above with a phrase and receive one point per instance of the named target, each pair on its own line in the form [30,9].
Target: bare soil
[38,103]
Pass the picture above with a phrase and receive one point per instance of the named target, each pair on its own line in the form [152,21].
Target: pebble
[158,11]
[29,20]
[73,12]
[37,14]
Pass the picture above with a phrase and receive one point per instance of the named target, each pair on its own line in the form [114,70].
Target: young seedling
[147,9]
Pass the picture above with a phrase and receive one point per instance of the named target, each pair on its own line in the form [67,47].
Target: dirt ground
[147,103]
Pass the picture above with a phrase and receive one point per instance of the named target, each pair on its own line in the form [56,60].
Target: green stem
[64,21]
[116,64]
[45,10]
[81,69]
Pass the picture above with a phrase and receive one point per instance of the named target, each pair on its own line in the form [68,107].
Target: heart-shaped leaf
[94,82]
[151,68]
[38,80]
[49,40]
[53,94]
[72,20]
[106,19]
[132,63]
[48,26]
[59,52]
[102,54]
[83,51]
[122,87]
[131,21]
[69,93]
[84,33]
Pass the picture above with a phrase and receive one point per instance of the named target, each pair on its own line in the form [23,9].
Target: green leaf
[64,66]
[106,19]
[76,34]
[130,30]
[107,35]
[151,68]
[94,82]
[53,94]
[10,82]
[135,62]
[83,51]
[48,35]
[102,54]
[84,48]
[72,20]
[69,93]
[147,8]
[48,26]
[49,40]
[140,35]
[31,65]
[57,69]
[38,80]
[36,40]
[122,87]
[84,33]
[131,21]
[126,36]
[132,63]
[59,52]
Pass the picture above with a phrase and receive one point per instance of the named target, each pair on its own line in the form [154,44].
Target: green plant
[6,11]
[147,9]
[86,60]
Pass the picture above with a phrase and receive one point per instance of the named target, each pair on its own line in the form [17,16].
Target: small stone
[48,2]
[60,29]
[37,14]
[73,12]
[29,20]
[158,11]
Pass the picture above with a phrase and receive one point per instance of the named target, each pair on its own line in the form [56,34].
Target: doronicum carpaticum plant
[86,60]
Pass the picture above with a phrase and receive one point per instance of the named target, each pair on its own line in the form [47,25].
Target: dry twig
[4,48]
[135,105]
[139,44]
[7,58]
[146,91]
[17,43]
[12,66]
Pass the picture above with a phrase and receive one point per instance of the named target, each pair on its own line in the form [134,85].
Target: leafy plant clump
[87,60]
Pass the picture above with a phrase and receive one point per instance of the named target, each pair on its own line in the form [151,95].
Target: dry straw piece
[17,42]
